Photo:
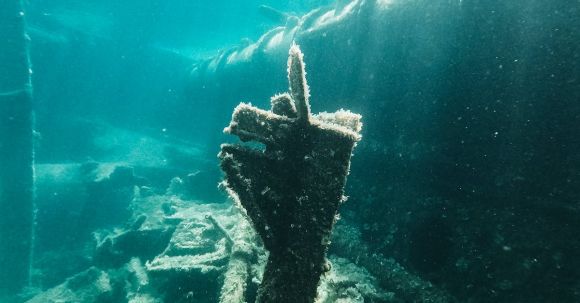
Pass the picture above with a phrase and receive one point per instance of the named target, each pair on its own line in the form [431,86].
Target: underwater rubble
[126,238]
[208,252]
[174,250]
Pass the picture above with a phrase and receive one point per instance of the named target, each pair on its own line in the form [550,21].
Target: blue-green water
[464,188]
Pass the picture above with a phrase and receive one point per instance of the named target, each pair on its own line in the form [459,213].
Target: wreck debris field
[303,151]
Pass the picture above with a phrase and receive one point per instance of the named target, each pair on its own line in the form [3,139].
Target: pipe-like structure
[16,150]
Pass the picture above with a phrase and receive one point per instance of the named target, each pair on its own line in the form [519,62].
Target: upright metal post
[16,150]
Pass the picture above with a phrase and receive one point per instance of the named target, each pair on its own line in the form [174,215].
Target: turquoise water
[463,188]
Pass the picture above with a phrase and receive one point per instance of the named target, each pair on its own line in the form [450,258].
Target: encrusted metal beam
[291,191]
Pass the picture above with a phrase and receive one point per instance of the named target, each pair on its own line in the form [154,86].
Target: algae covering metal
[292,189]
